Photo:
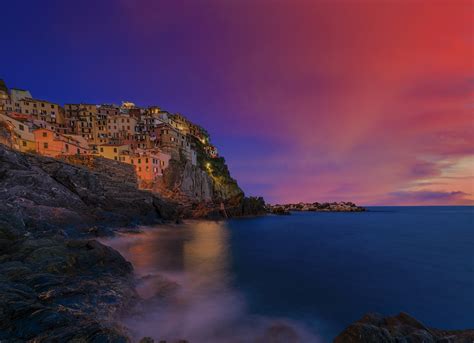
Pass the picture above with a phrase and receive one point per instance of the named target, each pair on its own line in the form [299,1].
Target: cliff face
[203,190]
[44,193]
[183,180]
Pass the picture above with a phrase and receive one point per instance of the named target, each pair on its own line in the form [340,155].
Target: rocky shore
[373,328]
[56,284]
[342,206]
[59,285]
[59,290]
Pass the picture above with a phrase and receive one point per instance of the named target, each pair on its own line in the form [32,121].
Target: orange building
[149,165]
[52,144]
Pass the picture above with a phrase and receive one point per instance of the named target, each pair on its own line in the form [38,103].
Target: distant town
[146,138]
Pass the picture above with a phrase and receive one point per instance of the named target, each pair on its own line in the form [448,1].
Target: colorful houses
[144,137]
[149,165]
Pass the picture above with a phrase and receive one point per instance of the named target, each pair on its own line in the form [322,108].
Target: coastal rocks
[373,328]
[279,210]
[53,289]
[48,194]
[315,207]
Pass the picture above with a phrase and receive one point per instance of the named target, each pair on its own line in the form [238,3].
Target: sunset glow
[368,101]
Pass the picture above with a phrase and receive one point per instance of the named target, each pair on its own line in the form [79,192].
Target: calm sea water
[316,271]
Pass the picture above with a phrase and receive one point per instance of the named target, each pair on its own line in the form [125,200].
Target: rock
[52,289]
[280,210]
[49,194]
[373,328]
[315,207]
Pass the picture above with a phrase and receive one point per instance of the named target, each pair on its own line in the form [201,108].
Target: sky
[365,101]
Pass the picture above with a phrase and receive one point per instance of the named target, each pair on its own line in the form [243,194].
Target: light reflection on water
[185,277]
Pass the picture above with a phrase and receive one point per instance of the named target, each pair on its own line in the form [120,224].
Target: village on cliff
[146,138]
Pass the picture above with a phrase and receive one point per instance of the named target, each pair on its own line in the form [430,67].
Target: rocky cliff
[48,194]
[206,190]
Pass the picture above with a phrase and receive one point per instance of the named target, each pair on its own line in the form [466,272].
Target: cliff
[48,194]
[206,190]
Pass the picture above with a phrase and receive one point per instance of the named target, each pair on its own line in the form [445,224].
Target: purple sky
[307,100]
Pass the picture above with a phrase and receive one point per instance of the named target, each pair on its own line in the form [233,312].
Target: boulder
[374,328]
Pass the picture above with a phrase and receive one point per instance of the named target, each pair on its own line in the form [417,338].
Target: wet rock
[53,289]
[373,328]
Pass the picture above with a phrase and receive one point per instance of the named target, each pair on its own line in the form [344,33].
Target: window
[45,134]
[24,143]
[52,106]
[115,158]
[139,161]
[45,145]
[115,149]
[22,128]
[101,149]
[42,104]
[146,160]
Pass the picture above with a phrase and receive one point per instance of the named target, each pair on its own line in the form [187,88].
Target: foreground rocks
[315,207]
[58,290]
[373,328]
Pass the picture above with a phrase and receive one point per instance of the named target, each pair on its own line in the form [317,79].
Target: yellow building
[111,151]
[39,109]
[23,138]
[87,122]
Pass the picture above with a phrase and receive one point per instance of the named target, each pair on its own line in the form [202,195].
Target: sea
[307,275]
